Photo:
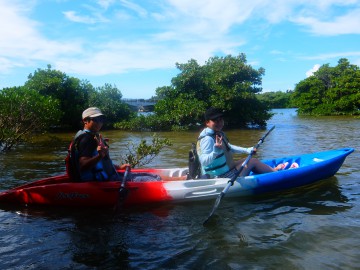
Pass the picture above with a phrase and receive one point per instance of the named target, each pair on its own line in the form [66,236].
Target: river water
[313,227]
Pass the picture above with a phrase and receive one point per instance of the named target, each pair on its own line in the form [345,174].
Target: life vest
[103,170]
[223,162]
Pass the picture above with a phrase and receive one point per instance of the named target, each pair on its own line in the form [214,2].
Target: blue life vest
[223,162]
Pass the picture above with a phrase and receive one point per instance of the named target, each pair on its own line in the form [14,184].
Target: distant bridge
[140,104]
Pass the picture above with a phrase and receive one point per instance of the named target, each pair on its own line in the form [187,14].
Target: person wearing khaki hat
[215,151]
[91,152]
[91,112]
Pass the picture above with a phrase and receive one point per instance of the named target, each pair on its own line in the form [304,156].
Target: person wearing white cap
[91,112]
[91,151]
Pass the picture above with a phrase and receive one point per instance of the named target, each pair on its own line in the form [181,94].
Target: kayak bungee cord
[232,180]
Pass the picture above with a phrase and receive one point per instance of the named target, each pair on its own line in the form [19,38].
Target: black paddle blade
[123,192]
[216,205]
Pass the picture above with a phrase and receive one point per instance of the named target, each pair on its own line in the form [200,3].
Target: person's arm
[87,146]
[122,166]
[87,163]
[104,143]
[239,150]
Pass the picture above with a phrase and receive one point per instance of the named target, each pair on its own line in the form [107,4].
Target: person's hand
[254,151]
[218,141]
[103,151]
[123,166]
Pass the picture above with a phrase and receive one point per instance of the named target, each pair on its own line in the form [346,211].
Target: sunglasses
[217,119]
[98,119]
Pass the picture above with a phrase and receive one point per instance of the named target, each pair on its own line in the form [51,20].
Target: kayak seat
[144,177]
[204,176]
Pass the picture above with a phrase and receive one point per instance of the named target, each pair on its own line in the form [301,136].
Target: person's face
[215,124]
[94,124]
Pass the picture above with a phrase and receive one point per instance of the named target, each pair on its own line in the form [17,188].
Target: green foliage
[228,83]
[75,96]
[71,93]
[330,91]
[142,154]
[185,108]
[150,122]
[23,113]
[276,100]
[247,112]
[108,99]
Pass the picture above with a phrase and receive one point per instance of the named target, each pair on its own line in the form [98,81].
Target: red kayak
[172,186]
[61,191]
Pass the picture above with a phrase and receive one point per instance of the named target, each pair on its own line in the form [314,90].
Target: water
[314,227]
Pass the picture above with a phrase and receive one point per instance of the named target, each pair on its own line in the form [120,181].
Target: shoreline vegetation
[50,99]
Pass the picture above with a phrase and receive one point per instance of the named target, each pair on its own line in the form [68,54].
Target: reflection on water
[313,227]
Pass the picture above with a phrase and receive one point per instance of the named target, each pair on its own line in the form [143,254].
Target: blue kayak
[312,168]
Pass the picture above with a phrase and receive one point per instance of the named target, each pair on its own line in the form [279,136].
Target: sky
[135,44]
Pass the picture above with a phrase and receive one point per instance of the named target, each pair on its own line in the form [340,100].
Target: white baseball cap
[91,112]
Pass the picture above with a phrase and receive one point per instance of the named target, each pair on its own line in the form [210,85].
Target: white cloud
[137,8]
[312,70]
[95,17]
[21,44]
[346,24]
[185,29]
[72,16]
[213,15]
[120,56]
[319,17]
[335,55]
[105,4]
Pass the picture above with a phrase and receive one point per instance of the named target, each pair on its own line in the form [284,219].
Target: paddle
[123,191]
[232,180]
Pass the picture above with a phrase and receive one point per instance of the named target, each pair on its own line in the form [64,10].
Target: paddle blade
[216,205]
[123,192]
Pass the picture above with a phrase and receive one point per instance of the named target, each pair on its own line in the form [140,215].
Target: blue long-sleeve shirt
[211,156]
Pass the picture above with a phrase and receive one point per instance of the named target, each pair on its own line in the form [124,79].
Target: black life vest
[103,171]
[72,158]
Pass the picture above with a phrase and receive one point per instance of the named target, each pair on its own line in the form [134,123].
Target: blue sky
[135,44]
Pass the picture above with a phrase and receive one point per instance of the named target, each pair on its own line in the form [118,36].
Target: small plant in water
[142,154]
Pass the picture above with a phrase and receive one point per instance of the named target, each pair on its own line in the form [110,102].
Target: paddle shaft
[232,180]
[103,143]
[122,186]
[249,156]
[122,190]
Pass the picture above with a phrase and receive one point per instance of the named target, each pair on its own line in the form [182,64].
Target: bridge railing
[139,102]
